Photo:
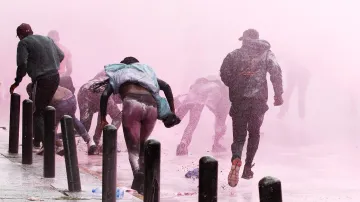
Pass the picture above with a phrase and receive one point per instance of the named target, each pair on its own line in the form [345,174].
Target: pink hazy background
[184,40]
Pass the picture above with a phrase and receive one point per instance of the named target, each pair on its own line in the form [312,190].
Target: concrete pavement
[311,169]
[20,182]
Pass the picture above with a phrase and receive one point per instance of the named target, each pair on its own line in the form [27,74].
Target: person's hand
[103,123]
[278,100]
[12,87]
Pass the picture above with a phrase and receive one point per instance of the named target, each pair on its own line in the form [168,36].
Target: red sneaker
[233,177]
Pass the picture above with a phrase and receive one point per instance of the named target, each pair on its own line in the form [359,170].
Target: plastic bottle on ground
[119,192]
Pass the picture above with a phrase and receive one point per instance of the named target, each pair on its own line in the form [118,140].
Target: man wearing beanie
[40,58]
[244,71]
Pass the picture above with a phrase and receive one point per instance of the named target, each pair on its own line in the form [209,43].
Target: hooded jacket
[244,71]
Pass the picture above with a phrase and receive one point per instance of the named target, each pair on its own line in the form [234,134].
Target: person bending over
[213,94]
[64,102]
[89,100]
[138,88]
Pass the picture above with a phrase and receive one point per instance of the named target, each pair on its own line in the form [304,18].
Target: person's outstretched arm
[168,93]
[104,101]
[21,59]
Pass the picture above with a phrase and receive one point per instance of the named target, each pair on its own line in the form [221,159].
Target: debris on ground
[192,173]
[34,199]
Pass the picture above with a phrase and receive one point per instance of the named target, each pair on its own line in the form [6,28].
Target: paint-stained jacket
[244,71]
[142,74]
[86,88]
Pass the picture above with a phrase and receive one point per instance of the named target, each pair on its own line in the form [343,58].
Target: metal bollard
[208,179]
[14,123]
[152,156]
[27,132]
[49,142]
[70,154]
[109,164]
[270,190]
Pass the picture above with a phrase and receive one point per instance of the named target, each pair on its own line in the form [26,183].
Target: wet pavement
[20,182]
[311,170]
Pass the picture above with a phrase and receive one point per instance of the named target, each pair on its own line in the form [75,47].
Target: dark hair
[129,60]
[96,87]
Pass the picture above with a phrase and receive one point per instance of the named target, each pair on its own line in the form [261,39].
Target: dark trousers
[68,107]
[248,119]
[44,90]
[66,82]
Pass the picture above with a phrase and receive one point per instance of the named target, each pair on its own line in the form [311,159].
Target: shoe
[233,177]
[60,151]
[138,183]
[91,147]
[36,145]
[59,143]
[181,150]
[218,148]
[41,151]
[248,173]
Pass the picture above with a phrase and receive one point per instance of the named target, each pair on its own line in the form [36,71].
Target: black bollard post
[270,190]
[152,156]
[70,154]
[109,164]
[27,132]
[208,179]
[49,142]
[14,123]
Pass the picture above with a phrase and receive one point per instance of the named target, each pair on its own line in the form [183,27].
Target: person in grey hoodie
[40,58]
[244,71]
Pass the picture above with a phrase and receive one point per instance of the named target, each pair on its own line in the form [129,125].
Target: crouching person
[64,102]
[138,88]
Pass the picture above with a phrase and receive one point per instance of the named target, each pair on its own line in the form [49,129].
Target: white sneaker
[91,147]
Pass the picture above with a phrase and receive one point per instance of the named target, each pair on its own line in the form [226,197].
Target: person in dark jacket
[40,58]
[244,71]
[140,112]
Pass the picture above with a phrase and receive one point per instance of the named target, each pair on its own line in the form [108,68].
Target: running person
[89,105]
[213,94]
[244,71]
[138,88]
[40,58]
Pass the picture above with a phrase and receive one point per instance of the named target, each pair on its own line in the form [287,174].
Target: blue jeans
[68,107]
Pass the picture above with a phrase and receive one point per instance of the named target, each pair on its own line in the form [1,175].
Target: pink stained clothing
[208,94]
[67,56]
